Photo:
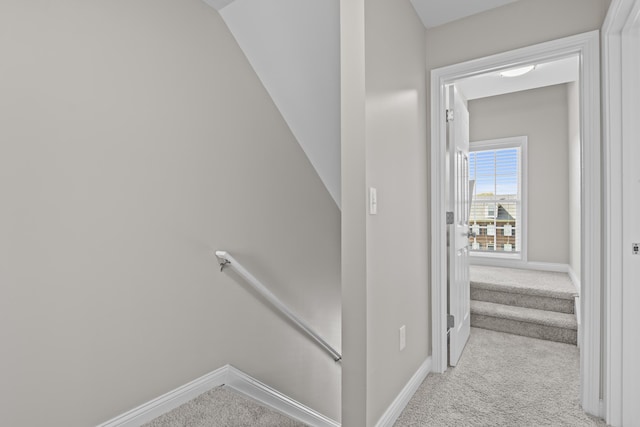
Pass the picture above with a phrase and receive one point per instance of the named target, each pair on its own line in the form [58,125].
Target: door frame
[619,46]
[585,45]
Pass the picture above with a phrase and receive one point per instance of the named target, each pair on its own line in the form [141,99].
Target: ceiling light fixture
[515,72]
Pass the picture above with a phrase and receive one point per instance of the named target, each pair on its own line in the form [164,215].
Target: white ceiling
[490,84]
[438,12]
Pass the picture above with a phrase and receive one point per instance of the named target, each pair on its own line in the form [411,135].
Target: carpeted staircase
[537,304]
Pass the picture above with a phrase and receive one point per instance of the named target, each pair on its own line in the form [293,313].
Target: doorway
[585,47]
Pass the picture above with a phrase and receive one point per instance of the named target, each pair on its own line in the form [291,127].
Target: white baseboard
[576,283]
[264,394]
[524,265]
[574,278]
[578,320]
[231,377]
[400,402]
[547,266]
[168,401]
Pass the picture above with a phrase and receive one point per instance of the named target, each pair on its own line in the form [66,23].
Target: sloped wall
[135,140]
[294,47]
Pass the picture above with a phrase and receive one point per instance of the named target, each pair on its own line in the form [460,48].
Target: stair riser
[522,300]
[544,332]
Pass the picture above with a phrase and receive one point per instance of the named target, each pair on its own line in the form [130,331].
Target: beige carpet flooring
[222,407]
[547,283]
[503,380]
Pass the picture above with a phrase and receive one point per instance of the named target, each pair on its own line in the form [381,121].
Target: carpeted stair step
[530,322]
[521,297]
[542,290]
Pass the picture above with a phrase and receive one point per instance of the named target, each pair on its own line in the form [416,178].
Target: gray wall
[575,241]
[397,237]
[135,139]
[541,115]
[354,224]
[515,25]
[385,282]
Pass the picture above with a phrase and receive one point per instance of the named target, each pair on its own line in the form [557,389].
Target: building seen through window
[496,206]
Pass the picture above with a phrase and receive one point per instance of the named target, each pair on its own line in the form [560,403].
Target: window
[491,211]
[497,178]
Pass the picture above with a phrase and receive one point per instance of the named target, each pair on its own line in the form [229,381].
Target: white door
[459,204]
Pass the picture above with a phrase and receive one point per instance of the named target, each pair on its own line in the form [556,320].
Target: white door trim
[587,47]
[623,15]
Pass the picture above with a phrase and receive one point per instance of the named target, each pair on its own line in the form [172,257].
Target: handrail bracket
[223,264]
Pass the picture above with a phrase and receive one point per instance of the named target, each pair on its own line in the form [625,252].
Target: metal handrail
[228,260]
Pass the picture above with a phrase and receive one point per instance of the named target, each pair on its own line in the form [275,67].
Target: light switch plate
[403,337]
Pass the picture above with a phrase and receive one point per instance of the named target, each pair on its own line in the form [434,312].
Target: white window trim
[497,258]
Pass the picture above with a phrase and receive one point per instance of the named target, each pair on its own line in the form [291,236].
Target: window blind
[496,199]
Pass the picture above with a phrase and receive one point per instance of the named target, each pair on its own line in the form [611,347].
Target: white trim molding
[523,265]
[576,283]
[586,47]
[168,401]
[574,278]
[232,378]
[619,32]
[400,402]
[576,307]
[269,397]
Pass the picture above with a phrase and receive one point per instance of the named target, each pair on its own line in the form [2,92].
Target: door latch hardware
[636,248]
[451,321]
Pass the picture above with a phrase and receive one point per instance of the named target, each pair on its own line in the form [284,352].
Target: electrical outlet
[403,337]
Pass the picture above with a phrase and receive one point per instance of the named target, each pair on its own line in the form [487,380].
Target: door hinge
[449,116]
[451,321]
[450,218]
